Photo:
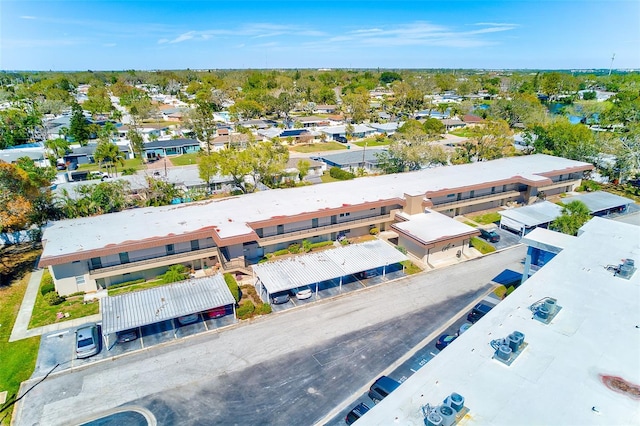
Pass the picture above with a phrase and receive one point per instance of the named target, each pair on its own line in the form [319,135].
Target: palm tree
[110,154]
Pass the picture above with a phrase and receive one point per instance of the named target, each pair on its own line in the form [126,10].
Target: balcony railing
[324,228]
[151,260]
[477,200]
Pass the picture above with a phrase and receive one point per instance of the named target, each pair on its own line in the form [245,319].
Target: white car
[304,293]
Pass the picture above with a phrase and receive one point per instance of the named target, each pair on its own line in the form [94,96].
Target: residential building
[87,253]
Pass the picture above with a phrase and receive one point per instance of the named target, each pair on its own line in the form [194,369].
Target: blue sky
[160,34]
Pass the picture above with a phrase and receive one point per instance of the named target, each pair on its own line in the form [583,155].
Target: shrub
[263,309]
[344,242]
[77,293]
[53,298]
[233,286]
[245,310]
[281,252]
[129,171]
[47,285]
[321,244]
[338,173]
[294,248]
[500,292]
[174,274]
[306,246]
[374,231]
[402,249]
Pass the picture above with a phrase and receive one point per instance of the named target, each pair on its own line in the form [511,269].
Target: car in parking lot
[216,312]
[87,341]
[188,319]
[478,311]
[304,293]
[381,388]
[357,412]
[445,340]
[490,235]
[280,297]
[127,336]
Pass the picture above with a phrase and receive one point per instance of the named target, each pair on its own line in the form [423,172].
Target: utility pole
[611,66]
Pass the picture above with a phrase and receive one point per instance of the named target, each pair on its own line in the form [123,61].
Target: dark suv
[480,310]
[490,235]
[381,388]
[357,412]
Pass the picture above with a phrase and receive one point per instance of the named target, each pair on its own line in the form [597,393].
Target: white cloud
[109,45]
[28,17]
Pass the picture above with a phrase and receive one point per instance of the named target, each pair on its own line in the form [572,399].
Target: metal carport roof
[308,269]
[599,201]
[534,214]
[139,308]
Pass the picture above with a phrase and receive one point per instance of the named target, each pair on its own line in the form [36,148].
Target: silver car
[87,341]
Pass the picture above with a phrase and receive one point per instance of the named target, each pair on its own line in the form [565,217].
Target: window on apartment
[451,195]
[124,257]
[96,263]
[170,249]
[472,194]
[493,189]
[80,280]
[314,222]
[195,245]
[345,214]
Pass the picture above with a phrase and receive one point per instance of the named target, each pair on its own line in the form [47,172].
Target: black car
[357,412]
[381,388]
[489,235]
[445,340]
[480,310]
[280,298]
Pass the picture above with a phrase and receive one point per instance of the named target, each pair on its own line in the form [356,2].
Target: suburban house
[352,160]
[386,128]
[338,133]
[312,121]
[325,109]
[231,234]
[155,149]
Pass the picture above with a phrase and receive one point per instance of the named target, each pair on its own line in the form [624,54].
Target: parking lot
[421,357]
[58,348]
[332,288]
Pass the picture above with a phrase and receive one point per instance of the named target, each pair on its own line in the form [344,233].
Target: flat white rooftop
[431,226]
[581,369]
[229,217]
[599,200]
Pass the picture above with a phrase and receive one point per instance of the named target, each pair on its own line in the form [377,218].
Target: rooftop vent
[625,270]
[545,310]
[449,413]
[509,348]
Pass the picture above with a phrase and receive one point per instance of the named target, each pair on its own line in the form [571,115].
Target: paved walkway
[21,327]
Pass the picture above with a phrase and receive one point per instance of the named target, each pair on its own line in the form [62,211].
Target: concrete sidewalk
[21,327]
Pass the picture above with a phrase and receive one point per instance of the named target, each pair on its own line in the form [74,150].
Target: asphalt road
[295,367]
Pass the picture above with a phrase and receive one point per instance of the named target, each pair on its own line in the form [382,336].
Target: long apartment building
[86,254]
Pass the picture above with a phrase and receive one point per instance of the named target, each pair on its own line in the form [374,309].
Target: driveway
[294,367]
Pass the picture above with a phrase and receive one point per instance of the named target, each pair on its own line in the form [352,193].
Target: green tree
[433,127]
[303,169]
[175,273]
[563,139]
[58,147]
[137,142]
[388,77]
[574,215]
[230,162]
[18,125]
[79,129]
[98,101]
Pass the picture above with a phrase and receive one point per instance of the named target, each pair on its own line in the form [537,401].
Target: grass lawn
[482,246]
[317,147]
[326,178]
[18,358]
[372,142]
[185,159]
[463,133]
[130,163]
[486,218]
[134,287]
[410,268]
[45,314]
[466,222]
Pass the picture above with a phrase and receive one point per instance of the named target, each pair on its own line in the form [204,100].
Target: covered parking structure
[288,274]
[524,219]
[132,310]
[601,203]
